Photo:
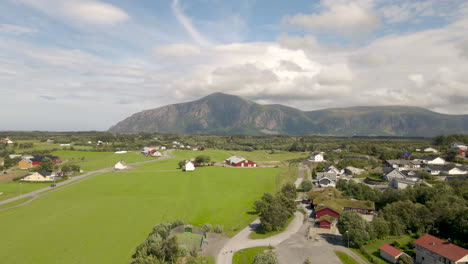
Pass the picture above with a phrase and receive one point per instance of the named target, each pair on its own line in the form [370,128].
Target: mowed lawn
[13,189]
[91,161]
[103,219]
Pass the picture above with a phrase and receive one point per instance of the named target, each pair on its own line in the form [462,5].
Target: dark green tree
[265,259]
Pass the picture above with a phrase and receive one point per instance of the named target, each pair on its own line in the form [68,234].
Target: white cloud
[418,79]
[88,12]
[187,24]
[176,50]
[348,18]
[15,29]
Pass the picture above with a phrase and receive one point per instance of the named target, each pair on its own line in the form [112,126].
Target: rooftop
[441,247]
[390,250]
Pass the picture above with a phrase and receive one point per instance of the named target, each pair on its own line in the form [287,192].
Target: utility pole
[347,235]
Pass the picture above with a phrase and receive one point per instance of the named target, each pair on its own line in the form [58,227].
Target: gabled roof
[390,250]
[235,159]
[428,158]
[441,247]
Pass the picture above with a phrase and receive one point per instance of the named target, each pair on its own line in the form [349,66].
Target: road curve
[241,240]
[60,185]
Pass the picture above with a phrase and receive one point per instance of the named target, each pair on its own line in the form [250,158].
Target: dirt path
[60,185]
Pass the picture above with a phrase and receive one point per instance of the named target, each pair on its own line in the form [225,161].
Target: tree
[46,165]
[380,227]
[289,190]
[353,225]
[202,159]
[306,185]
[181,164]
[307,261]
[405,259]
[265,259]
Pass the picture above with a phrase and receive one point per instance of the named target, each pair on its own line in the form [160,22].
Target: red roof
[441,247]
[390,250]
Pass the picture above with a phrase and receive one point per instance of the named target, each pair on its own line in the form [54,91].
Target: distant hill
[220,113]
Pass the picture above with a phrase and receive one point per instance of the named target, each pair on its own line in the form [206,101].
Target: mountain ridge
[220,113]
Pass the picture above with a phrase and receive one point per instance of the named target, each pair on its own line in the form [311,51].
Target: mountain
[220,113]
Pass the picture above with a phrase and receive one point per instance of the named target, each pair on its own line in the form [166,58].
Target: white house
[13,156]
[432,160]
[457,171]
[65,145]
[333,169]
[316,157]
[121,165]
[39,177]
[163,147]
[459,145]
[430,149]
[189,166]
[326,179]
[121,152]
[394,174]
[156,154]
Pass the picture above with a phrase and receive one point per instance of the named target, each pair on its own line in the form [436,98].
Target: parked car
[53,185]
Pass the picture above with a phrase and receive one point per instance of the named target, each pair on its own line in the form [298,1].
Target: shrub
[206,228]
[218,229]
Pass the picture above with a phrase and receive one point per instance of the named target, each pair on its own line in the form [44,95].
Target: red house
[240,162]
[325,224]
[326,211]
[431,249]
[461,153]
[38,159]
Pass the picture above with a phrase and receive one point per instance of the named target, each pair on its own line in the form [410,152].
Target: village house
[317,156]
[354,171]
[14,156]
[325,179]
[189,166]
[50,140]
[431,160]
[446,170]
[6,141]
[430,149]
[402,179]
[240,162]
[333,169]
[432,250]
[156,154]
[461,153]
[163,148]
[459,145]
[37,160]
[326,211]
[25,164]
[390,253]
[121,165]
[403,164]
[39,177]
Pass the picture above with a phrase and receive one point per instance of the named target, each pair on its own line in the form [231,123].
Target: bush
[306,185]
[218,229]
[177,223]
[206,228]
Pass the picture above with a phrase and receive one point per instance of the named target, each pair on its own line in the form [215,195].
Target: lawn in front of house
[104,218]
[246,256]
[13,189]
[373,246]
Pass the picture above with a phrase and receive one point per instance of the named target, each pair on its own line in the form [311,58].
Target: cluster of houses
[328,204]
[153,151]
[178,145]
[428,250]
[407,172]
[27,162]
[331,175]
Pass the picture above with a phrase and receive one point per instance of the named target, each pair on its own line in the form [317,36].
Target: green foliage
[207,228]
[405,259]
[307,261]
[352,225]
[306,185]
[274,210]
[202,159]
[380,227]
[267,258]
[218,229]
[345,258]
[46,165]
[358,191]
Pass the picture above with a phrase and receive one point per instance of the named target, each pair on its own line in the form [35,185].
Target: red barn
[325,224]
[240,162]
[38,159]
[326,211]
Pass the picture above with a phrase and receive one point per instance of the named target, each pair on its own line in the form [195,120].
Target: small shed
[189,166]
[390,253]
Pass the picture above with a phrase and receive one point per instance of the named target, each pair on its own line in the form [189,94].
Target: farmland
[102,219]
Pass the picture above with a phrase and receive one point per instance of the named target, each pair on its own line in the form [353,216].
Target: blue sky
[86,64]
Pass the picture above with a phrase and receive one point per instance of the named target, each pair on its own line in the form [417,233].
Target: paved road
[241,240]
[60,185]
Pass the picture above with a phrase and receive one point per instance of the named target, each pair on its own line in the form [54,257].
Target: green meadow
[13,189]
[103,219]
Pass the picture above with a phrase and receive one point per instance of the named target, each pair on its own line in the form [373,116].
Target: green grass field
[264,155]
[345,258]
[43,146]
[12,189]
[246,256]
[103,219]
[90,161]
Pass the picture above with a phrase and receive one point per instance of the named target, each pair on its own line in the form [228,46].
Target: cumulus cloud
[348,18]
[15,29]
[89,12]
